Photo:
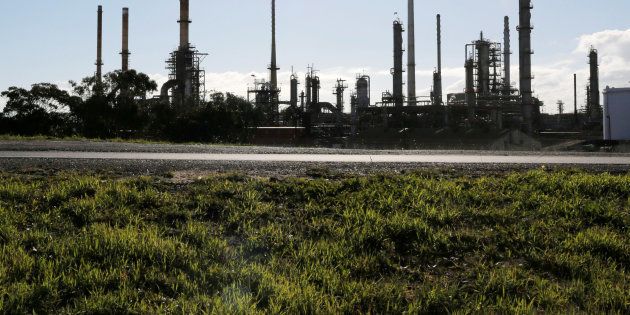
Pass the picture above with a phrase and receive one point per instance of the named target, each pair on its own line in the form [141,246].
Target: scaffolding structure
[487,62]
[184,67]
[265,98]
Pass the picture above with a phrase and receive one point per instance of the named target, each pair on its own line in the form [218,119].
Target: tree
[44,109]
[114,110]
[225,118]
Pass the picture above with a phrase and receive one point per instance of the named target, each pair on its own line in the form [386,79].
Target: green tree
[114,109]
[44,109]
[225,118]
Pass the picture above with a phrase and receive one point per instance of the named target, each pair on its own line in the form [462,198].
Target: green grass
[530,242]
[5,137]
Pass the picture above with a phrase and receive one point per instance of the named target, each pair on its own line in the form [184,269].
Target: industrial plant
[490,113]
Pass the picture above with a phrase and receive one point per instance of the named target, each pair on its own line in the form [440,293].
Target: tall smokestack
[437,77]
[507,57]
[398,71]
[125,40]
[594,107]
[575,107]
[411,54]
[184,24]
[99,46]
[439,43]
[525,63]
[273,67]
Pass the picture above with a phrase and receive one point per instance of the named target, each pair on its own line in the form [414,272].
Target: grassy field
[4,137]
[417,243]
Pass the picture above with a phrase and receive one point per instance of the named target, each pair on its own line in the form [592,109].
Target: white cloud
[554,81]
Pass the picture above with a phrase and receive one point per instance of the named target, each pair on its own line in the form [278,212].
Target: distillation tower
[186,85]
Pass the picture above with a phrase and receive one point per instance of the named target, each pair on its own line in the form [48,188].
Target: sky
[55,41]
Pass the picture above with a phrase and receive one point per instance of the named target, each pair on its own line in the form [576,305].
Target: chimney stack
[99,46]
[273,67]
[398,70]
[525,63]
[184,24]
[507,57]
[594,106]
[439,43]
[437,77]
[125,40]
[575,107]
[411,55]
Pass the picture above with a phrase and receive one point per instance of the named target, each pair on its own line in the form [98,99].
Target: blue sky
[54,41]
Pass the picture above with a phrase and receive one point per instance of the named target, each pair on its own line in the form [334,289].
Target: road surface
[159,159]
[327,158]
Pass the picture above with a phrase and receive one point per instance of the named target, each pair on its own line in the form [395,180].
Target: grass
[530,242]
[6,137]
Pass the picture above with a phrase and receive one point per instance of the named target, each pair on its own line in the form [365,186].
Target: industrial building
[489,108]
[489,103]
[186,84]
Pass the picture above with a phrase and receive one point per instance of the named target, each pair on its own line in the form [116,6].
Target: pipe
[125,40]
[525,64]
[411,55]
[99,46]
[184,24]
[507,56]
[167,87]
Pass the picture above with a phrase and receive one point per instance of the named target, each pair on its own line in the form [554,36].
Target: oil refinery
[490,113]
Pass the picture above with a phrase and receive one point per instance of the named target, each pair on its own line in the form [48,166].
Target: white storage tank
[617,113]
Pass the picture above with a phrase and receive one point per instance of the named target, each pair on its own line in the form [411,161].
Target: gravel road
[254,168]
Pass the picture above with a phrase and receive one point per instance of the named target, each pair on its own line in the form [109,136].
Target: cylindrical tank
[363,92]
